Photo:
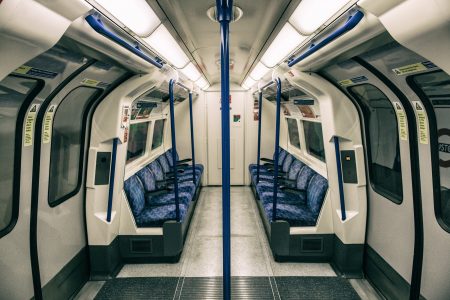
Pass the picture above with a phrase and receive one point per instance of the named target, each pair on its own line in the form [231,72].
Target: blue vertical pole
[174,149]
[224,12]
[259,136]
[192,136]
[339,173]
[111,180]
[277,152]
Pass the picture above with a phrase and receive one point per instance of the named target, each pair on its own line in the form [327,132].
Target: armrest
[185,160]
[267,159]
[268,164]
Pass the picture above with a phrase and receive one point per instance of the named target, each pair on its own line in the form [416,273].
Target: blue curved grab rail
[99,27]
[349,25]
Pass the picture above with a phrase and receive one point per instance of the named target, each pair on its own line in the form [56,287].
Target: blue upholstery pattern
[135,194]
[147,178]
[317,189]
[295,215]
[164,163]
[294,169]
[157,170]
[304,176]
[155,216]
[168,198]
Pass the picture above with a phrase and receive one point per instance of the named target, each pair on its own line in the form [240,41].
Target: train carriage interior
[187,149]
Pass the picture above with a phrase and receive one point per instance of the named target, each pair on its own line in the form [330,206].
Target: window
[68,137]
[436,88]
[382,141]
[137,142]
[14,100]
[294,138]
[314,139]
[158,134]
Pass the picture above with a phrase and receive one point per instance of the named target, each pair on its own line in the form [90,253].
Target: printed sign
[353,80]
[125,116]
[48,124]
[307,111]
[417,67]
[422,122]
[444,147]
[94,83]
[401,118]
[35,72]
[29,125]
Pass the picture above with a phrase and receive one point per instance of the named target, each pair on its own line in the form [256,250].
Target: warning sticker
[353,80]
[27,70]
[48,124]
[125,116]
[94,83]
[402,125]
[29,125]
[422,122]
[422,66]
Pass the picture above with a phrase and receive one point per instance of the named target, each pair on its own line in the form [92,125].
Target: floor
[250,252]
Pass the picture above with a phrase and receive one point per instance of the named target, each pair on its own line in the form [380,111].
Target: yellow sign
[422,122]
[48,124]
[345,82]
[29,125]
[409,69]
[402,124]
[22,70]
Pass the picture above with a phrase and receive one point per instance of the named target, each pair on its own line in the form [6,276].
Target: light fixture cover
[248,83]
[202,83]
[191,72]
[163,42]
[285,42]
[259,71]
[134,14]
[311,14]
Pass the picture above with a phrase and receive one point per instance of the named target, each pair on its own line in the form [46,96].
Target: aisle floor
[250,251]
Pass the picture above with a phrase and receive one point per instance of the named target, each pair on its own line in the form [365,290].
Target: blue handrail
[277,152]
[192,137]
[111,179]
[174,149]
[349,25]
[99,27]
[258,158]
[339,173]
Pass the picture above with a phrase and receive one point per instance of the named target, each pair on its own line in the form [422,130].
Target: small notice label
[35,72]
[417,67]
[29,125]
[94,83]
[353,80]
[401,118]
[422,122]
[48,124]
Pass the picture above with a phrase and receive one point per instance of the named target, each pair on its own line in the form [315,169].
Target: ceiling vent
[237,14]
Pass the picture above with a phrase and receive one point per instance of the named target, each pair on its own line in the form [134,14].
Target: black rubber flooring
[259,288]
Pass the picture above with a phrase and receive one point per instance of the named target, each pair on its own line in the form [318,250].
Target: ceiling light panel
[286,41]
[259,71]
[191,72]
[248,83]
[134,14]
[167,47]
[311,14]
[202,83]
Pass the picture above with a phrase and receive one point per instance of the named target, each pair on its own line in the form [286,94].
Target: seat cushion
[155,216]
[283,197]
[295,215]
[168,198]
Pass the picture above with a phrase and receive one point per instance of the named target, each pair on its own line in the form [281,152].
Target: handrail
[349,25]
[111,179]
[258,158]
[277,152]
[192,137]
[339,173]
[174,149]
[99,27]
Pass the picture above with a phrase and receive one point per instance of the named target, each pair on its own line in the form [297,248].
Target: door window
[314,139]
[158,134]
[137,142]
[294,137]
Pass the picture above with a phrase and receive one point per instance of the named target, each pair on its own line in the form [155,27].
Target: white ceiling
[261,21]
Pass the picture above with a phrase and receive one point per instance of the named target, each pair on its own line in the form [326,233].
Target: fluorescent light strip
[202,83]
[259,71]
[311,14]
[191,72]
[285,42]
[248,83]
[134,14]
[163,42]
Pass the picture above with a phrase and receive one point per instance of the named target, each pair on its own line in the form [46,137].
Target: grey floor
[250,252]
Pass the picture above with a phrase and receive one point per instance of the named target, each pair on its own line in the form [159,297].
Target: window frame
[137,160]
[98,92]
[19,128]
[307,143]
[298,132]
[433,143]
[381,191]
[162,134]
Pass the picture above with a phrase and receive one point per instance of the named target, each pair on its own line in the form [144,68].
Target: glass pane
[382,141]
[436,87]
[137,141]
[314,139]
[13,92]
[158,133]
[67,143]
[294,138]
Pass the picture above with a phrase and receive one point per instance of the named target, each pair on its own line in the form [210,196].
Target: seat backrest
[169,157]
[135,194]
[287,162]
[317,188]
[304,176]
[281,156]
[157,170]
[294,169]
[147,178]
[164,163]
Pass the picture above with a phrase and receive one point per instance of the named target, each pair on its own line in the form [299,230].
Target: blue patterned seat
[198,167]
[263,169]
[156,169]
[266,180]
[145,213]
[181,177]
